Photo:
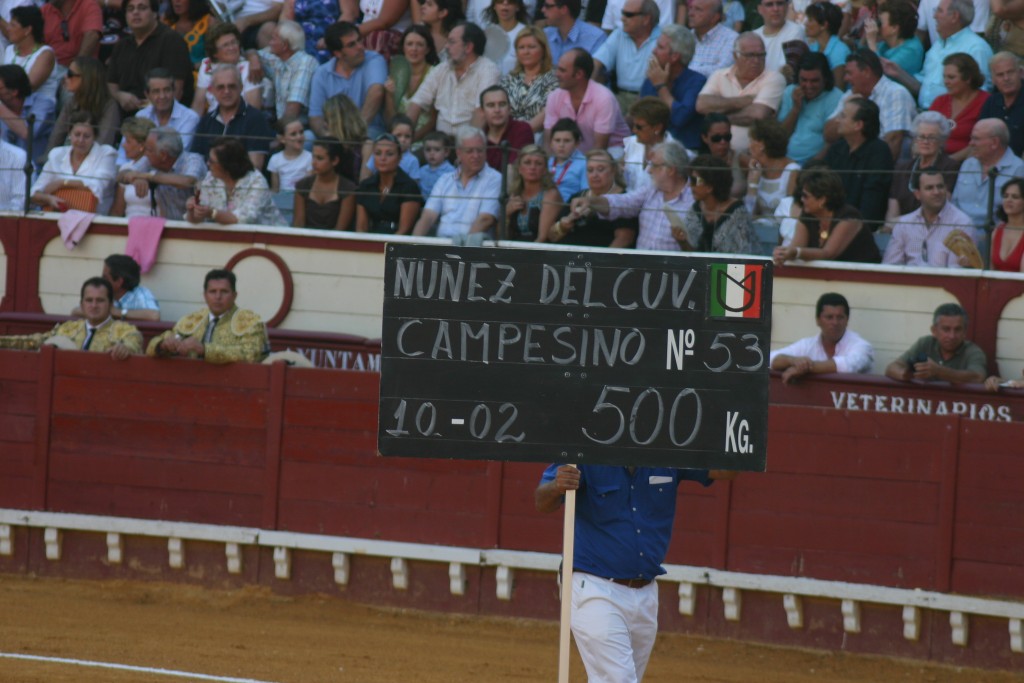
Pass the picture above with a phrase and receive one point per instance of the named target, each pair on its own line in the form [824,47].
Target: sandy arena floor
[256,635]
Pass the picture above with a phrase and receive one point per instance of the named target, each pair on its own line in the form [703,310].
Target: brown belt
[632,583]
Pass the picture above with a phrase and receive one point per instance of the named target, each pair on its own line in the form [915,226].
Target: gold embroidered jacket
[104,339]
[240,336]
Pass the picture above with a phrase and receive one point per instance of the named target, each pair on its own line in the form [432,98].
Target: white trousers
[614,627]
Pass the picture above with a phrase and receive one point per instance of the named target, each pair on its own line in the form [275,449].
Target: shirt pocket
[662,497]
[607,502]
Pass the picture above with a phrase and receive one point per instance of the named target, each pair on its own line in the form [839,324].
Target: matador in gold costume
[98,332]
[220,333]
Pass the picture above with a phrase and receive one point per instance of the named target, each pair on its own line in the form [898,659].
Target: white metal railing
[506,562]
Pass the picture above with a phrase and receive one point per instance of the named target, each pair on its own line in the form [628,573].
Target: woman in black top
[324,200]
[828,229]
[604,177]
[716,222]
[389,200]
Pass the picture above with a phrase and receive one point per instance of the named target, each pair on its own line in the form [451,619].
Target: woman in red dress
[962,102]
[1008,237]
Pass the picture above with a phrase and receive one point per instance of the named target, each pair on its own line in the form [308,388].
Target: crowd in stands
[849,131]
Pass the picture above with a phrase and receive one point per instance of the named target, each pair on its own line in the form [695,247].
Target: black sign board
[575,356]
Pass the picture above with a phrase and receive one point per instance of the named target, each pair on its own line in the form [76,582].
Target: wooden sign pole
[568,548]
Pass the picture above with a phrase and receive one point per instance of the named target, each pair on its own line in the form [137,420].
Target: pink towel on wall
[144,239]
[73,225]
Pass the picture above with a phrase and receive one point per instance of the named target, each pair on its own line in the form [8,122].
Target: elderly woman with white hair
[670,79]
[929,131]
[660,206]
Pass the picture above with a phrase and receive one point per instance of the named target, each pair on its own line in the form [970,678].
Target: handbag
[79,198]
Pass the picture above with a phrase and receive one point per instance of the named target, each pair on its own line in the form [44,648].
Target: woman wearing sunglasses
[86,81]
[716,222]
[716,140]
[650,118]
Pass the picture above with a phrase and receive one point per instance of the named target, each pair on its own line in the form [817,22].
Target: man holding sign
[624,518]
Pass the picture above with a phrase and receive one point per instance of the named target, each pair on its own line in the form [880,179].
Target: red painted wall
[924,501]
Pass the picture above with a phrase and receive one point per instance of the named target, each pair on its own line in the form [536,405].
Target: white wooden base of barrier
[791,589]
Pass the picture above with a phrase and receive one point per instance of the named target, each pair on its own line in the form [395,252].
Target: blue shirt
[328,82]
[909,54]
[571,176]
[459,204]
[429,176]
[835,52]
[684,123]
[971,192]
[809,133]
[182,119]
[45,113]
[139,298]
[582,34]
[624,523]
[930,76]
[620,55]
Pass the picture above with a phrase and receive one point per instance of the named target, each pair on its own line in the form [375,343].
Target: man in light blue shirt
[953,22]
[806,105]
[164,110]
[565,30]
[355,72]
[465,202]
[628,49]
[990,148]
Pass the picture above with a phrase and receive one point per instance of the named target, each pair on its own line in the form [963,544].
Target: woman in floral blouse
[532,80]
[232,191]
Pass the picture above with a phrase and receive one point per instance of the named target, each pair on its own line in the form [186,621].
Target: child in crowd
[127,200]
[734,15]
[401,129]
[293,162]
[568,166]
[436,146]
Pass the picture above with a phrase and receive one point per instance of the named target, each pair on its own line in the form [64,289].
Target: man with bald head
[591,105]
[714,39]
[745,92]
[233,116]
[989,147]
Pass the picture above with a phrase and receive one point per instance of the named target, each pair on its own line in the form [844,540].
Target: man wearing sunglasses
[628,49]
[72,28]
[614,18]
[777,31]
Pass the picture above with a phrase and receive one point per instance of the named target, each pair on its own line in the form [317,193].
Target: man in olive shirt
[945,354]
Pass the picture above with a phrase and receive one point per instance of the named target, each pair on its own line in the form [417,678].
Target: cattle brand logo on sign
[735,290]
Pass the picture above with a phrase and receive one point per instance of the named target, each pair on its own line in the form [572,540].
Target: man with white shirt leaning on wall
[834,349]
